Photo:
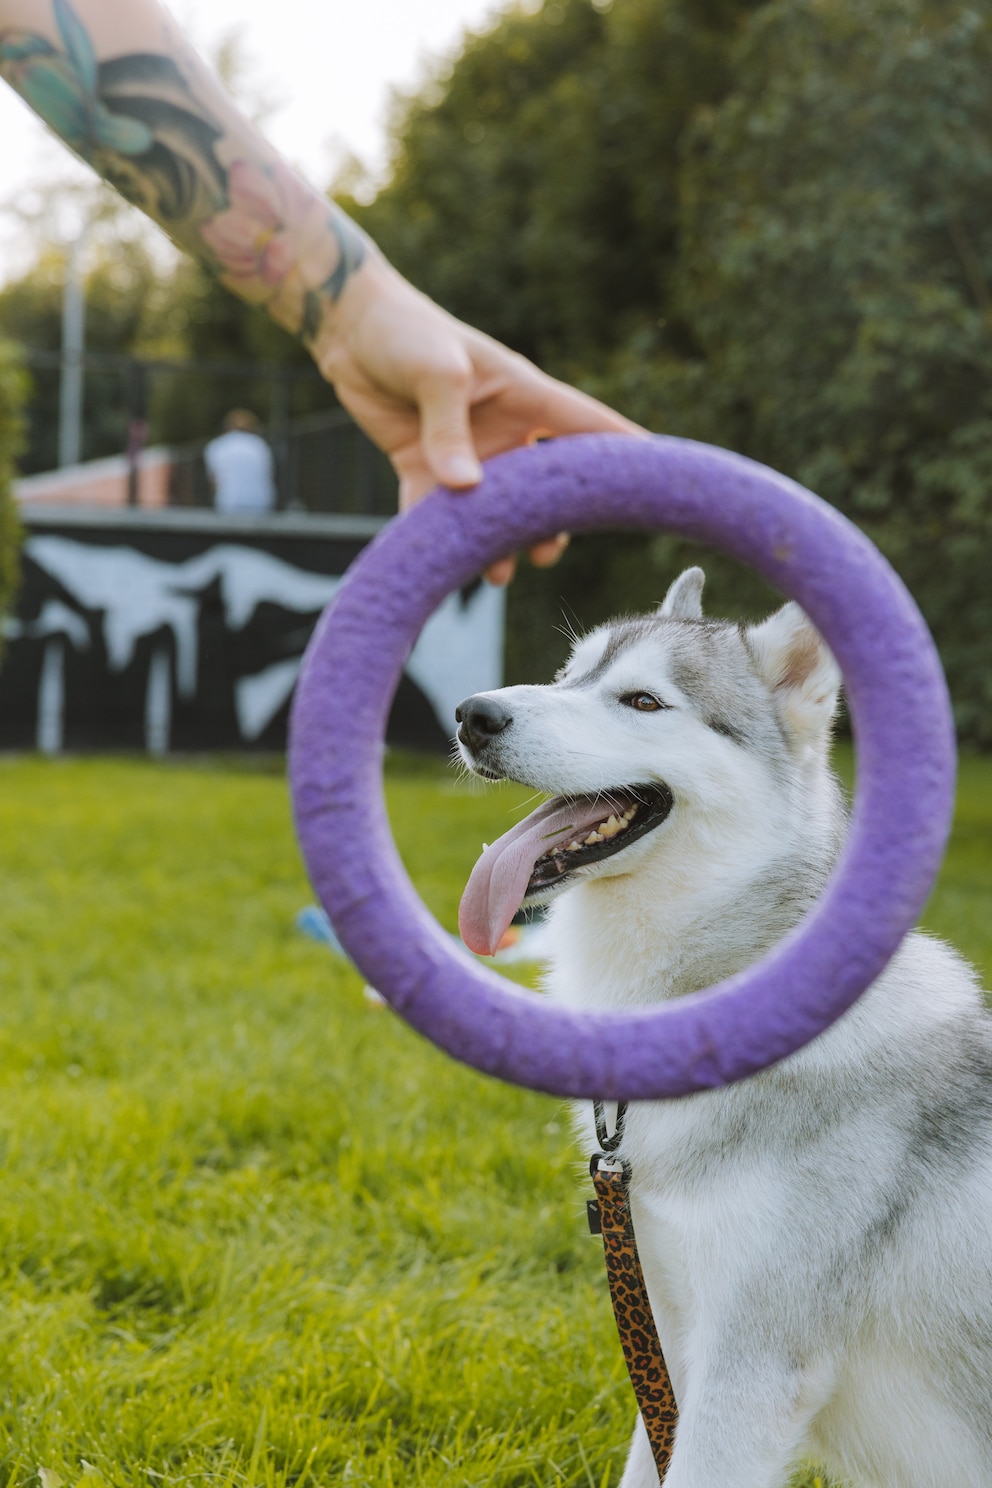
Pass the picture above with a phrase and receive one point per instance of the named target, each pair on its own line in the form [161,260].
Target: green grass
[253,1230]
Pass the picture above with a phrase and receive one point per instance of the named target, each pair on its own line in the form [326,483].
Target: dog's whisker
[524,805]
[571,627]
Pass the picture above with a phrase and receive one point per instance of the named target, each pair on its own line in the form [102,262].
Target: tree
[764,225]
[836,270]
[533,189]
[123,306]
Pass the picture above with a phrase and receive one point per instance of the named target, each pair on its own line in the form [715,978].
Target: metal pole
[73,347]
[137,431]
[279,439]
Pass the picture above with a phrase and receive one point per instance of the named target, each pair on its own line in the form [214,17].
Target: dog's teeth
[485,847]
[615,823]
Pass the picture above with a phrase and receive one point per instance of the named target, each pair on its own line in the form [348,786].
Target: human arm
[121,86]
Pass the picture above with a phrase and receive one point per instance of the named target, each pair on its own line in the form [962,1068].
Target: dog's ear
[684,600]
[794,662]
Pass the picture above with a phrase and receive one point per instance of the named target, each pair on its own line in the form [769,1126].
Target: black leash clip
[604,1159]
[607,1144]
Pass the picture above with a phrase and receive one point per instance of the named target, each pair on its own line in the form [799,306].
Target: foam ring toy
[899,710]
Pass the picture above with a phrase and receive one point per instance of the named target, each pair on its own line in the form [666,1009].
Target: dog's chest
[707,1192]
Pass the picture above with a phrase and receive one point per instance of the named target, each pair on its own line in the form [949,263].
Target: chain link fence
[324,463]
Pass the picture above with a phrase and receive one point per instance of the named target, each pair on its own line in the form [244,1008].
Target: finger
[546,554]
[415,477]
[445,432]
[567,411]
[501,572]
[413,487]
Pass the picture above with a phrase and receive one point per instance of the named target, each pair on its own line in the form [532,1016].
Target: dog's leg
[737,1429]
[640,1471]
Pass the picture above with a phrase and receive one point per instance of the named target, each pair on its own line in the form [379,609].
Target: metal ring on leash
[899,710]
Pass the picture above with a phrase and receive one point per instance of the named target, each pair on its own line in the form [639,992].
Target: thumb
[445,432]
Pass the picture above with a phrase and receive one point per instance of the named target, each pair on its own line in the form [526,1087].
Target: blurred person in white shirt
[240,466]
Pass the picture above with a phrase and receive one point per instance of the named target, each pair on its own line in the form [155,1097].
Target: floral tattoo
[280,245]
[263,231]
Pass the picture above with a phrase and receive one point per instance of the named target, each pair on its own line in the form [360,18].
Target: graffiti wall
[182,630]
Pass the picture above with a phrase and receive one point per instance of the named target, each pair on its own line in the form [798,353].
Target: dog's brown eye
[643,702]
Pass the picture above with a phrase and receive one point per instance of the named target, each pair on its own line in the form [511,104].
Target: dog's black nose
[480,718]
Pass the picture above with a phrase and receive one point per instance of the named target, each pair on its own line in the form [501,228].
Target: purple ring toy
[899,709]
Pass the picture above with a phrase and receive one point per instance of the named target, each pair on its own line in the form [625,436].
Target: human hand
[438,396]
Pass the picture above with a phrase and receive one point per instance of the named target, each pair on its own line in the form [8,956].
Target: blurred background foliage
[766,225]
[763,225]
[135,310]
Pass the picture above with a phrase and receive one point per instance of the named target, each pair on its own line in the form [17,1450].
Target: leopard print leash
[609,1216]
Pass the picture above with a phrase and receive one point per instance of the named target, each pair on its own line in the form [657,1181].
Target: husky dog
[816,1241]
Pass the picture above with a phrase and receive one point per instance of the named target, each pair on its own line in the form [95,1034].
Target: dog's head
[659,726]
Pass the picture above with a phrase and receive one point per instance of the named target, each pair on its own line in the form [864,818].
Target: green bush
[757,223]
[13,389]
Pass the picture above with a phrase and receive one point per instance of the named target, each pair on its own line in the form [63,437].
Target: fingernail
[546,554]
[463,471]
[501,572]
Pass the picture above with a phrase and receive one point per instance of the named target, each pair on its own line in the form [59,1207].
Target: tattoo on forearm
[266,234]
[278,244]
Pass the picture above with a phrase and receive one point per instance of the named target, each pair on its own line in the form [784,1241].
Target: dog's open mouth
[546,848]
[625,816]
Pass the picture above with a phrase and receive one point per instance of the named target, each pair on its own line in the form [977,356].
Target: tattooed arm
[120,85]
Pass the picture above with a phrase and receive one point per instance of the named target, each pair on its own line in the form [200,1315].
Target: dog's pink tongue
[496,888]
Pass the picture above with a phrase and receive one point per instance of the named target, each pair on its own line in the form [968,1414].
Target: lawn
[255,1231]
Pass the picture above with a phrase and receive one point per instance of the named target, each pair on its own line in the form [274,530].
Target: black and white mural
[185,631]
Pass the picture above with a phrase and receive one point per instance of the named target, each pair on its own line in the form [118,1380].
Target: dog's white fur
[817,1241]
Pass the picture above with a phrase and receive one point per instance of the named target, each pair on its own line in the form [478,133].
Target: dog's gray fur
[817,1241]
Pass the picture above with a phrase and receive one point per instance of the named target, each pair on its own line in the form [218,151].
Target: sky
[329,66]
